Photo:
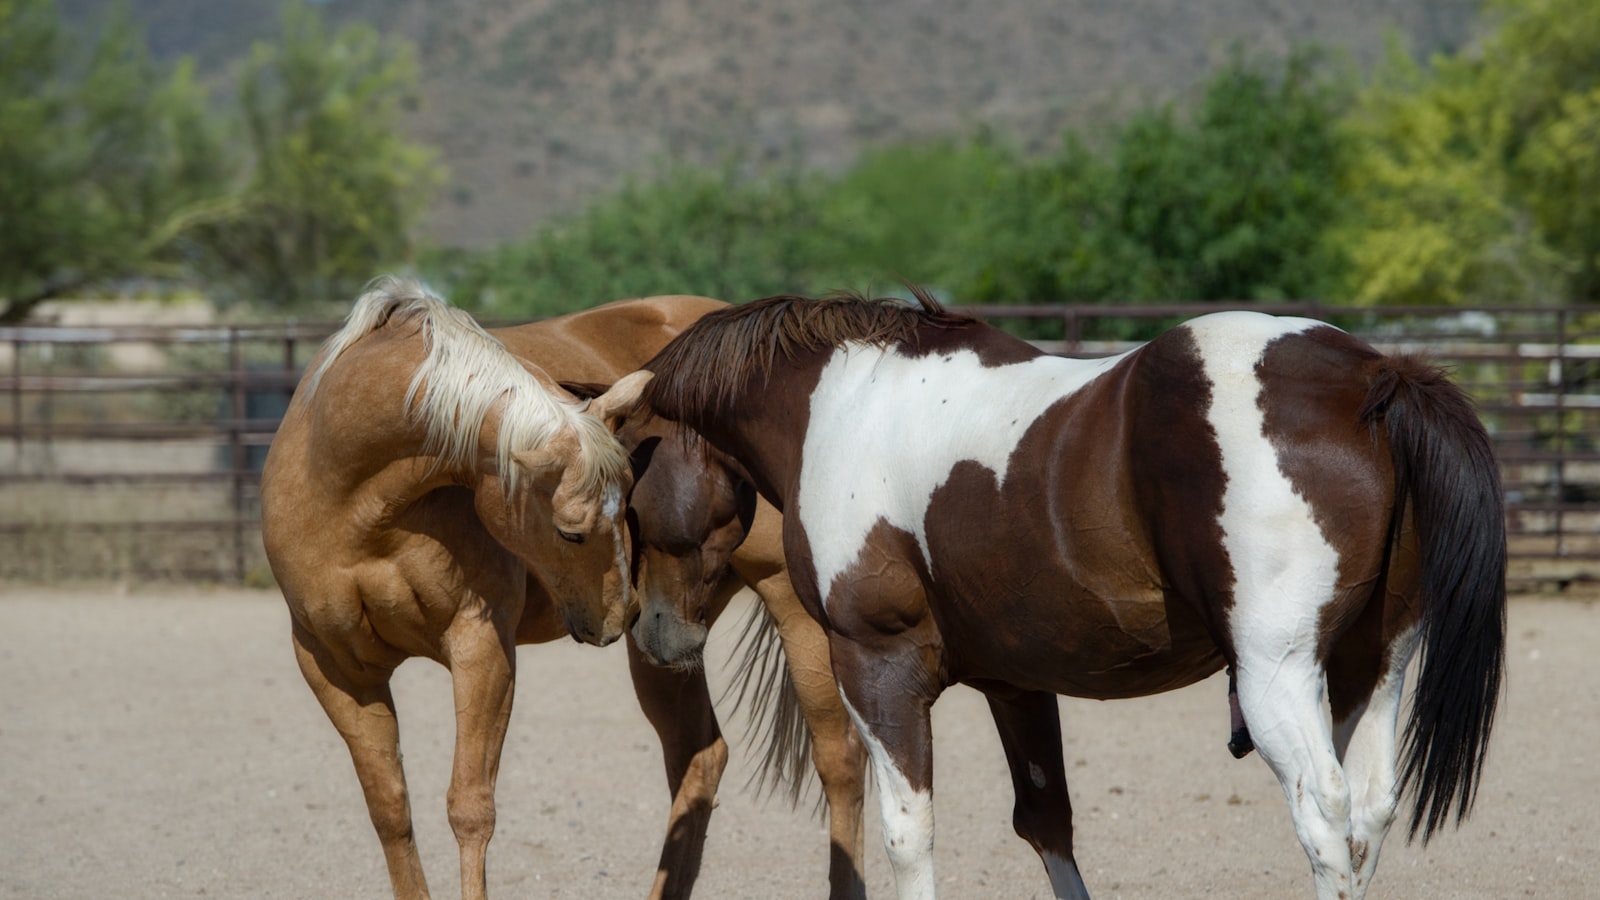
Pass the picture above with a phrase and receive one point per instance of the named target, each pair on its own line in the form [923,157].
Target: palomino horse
[1262,493]
[345,572]
[420,473]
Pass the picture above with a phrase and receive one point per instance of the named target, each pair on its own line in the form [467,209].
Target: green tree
[1478,177]
[718,233]
[334,189]
[1230,203]
[900,211]
[104,158]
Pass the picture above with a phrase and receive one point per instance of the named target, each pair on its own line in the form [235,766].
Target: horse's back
[603,343]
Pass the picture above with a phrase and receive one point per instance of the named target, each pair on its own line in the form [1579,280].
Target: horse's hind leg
[482,660]
[1364,730]
[1280,694]
[1030,730]
[836,750]
[678,705]
[362,709]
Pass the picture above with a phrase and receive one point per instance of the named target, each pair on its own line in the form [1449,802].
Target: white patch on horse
[1037,775]
[907,816]
[886,429]
[1277,550]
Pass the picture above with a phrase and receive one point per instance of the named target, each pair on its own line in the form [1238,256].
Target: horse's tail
[762,680]
[1445,468]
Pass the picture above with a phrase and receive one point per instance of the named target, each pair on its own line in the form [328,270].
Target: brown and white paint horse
[1264,493]
[433,492]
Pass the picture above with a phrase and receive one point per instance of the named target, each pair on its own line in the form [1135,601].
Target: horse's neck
[380,465]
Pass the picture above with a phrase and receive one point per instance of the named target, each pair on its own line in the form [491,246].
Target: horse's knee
[390,810]
[472,815]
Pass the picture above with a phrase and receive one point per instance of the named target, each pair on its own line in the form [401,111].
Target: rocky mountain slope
[539,105]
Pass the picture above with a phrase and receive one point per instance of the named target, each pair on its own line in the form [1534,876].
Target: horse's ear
[621,401]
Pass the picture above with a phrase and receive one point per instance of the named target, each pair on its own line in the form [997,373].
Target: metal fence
[135,452]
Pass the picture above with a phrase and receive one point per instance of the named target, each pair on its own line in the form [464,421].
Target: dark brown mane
[702,371]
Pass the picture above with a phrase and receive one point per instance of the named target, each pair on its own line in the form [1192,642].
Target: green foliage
[103,159]
[715,233]
[111,167]
[1228,205]
[334,189]
[899,212]
[1478,178]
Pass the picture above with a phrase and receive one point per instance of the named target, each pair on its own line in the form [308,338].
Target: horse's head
[566,515]
[693,507]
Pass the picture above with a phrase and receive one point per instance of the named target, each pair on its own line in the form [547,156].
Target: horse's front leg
[678,705]
[358,701]
[836,750]
[1030,730]
[482,661]
[888,688]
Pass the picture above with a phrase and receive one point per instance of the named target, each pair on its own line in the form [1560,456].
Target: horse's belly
[1080,643]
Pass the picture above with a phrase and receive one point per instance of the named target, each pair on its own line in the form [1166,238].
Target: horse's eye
[571,537]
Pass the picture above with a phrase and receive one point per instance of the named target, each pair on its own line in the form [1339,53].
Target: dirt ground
[160,743]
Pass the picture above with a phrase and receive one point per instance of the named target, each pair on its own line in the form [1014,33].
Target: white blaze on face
[886,429]
[1272,539]
[611,507]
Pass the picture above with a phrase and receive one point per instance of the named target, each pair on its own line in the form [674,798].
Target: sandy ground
[162,744]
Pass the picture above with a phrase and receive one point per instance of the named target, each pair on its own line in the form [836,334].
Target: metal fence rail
[135,452]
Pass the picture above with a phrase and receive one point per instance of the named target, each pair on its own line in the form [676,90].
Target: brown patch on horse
[895,642]
[1177,477]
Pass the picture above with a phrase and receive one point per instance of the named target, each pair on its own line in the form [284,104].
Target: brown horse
[1262,493]
[389,527]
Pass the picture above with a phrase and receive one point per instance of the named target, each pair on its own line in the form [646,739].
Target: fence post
[236,440]
[1559,376]
[17,348]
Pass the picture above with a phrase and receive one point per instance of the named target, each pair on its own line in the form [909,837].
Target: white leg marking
[907,818]
[1036,774]
[886,429]
[1065,881]
[1368,750]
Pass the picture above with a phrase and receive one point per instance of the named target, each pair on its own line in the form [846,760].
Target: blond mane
[465,373]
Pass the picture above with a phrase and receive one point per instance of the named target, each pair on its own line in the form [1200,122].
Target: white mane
[466,371]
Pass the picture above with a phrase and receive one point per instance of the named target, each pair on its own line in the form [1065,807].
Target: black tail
[1445,469]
